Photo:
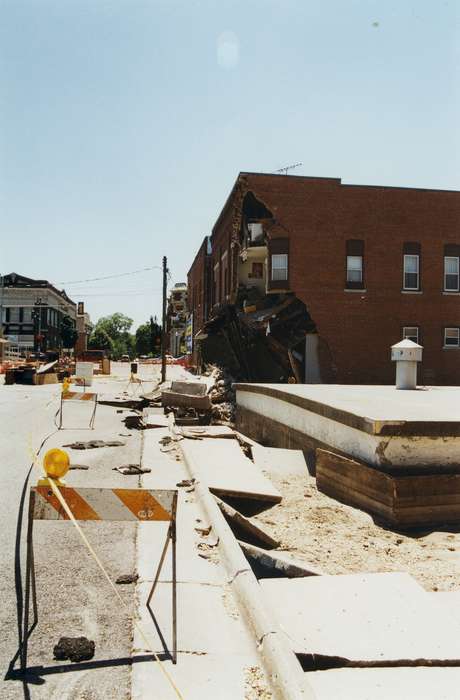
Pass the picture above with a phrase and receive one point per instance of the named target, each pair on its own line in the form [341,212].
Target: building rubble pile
[222,396]
[264,342]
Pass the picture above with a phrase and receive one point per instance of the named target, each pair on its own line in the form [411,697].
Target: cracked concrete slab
[365,618]
[420,683]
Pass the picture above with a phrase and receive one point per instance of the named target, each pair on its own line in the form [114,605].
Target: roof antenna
[288,167]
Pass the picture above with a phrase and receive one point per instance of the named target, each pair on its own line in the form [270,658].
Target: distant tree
[112,333]
[68,332]
[100,340]
[115,325]
[146,337]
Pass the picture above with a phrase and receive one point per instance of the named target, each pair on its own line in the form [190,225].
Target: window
[451,337]
[354,268]
[451,274]
[354,250]
[279,267]
[410,333]
[411,272]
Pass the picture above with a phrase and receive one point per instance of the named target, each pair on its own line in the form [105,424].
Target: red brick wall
[199,291]
[360,327]
[357,328]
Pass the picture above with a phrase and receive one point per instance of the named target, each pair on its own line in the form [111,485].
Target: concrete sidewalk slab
[363,617]
[279,461]
[191,568]
[198,677]
[208,620]
[419,683]
[223,467]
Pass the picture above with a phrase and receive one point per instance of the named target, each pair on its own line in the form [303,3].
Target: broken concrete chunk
[74,648]
[127,578]
[244,529]
[204,531]
[94,444]
[186,482]
[130,469]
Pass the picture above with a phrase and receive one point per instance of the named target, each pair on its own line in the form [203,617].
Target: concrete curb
[281,666]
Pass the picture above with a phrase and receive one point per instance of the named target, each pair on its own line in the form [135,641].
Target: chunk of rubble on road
[127,578]
[244,529]
[131,469]
[186,395]
[74,649]
[94,444]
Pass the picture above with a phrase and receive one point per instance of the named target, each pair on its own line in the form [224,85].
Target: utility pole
[163,323]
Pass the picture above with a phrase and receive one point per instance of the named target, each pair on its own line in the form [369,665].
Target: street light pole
[163,322]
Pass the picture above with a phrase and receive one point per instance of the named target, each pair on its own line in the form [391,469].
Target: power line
[111,277]
[127,293]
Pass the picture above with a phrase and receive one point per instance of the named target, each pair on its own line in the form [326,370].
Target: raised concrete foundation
[404,447]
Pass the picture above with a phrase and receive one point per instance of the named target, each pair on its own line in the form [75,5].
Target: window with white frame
[411,272]
[279,267]
[411,333]
[451,337]
[451,273]
[354,268]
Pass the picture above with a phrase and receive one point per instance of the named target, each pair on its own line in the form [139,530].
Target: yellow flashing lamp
[56,464]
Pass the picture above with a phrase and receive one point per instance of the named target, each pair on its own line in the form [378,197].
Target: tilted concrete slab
[419,683]
[363,618]
[223,467]
[277,460]
[449,601]
[244,528]
[283,563]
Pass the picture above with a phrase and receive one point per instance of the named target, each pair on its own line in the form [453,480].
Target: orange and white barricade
[86,396]
[100,504]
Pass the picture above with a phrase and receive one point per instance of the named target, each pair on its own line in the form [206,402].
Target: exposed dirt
[339,539]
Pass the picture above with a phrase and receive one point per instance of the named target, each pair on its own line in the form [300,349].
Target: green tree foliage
[100,340]
[68,332]
[115,325]
[112,333]
[147,336]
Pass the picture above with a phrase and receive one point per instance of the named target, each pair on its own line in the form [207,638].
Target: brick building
[371,265]
[33,311]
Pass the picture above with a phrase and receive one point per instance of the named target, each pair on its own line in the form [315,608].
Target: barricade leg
[170,536]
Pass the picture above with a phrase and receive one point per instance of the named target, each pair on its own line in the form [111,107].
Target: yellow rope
[138,626]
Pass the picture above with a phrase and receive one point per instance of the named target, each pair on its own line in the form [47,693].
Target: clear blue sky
[124,123]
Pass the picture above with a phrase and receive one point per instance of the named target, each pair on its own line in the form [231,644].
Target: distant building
[84,328]
[325,277]
[32,312]
[176,319]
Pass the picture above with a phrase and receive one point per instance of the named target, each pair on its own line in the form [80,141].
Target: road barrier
[49,500]
[67,395]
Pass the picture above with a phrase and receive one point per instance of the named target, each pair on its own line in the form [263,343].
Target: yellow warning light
[56,463]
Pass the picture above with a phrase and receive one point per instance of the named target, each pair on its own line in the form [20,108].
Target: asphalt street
[73,597]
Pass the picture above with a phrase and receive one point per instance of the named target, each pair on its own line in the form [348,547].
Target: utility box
[406,354]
